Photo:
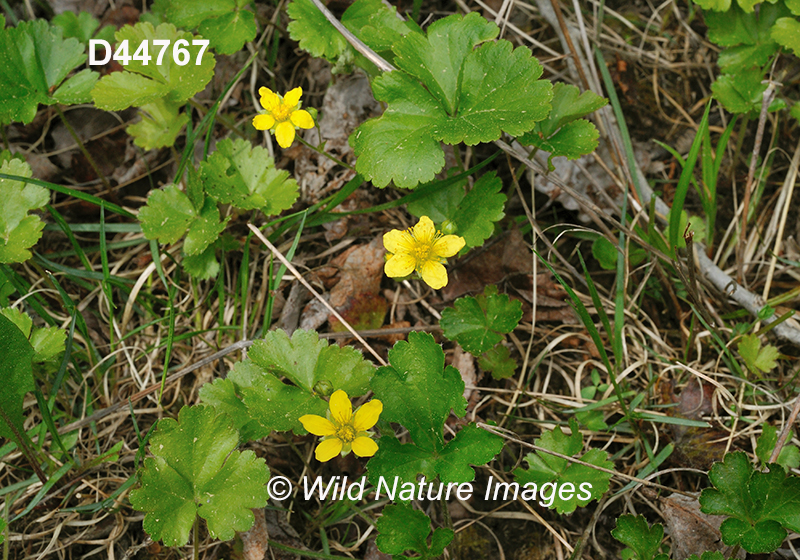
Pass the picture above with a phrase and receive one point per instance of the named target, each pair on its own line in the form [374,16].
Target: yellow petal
[448,246]
[341,409]
[317,425]
[367,416]
[269,99]
[302,119]
[397,241]
[328,449]
[434,274]
[424,230]
[364,446]
[263,122]
[284,134]
[399,265]
[292,97]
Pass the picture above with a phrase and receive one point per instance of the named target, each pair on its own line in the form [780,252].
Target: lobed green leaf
[477,324]
[545,468]
[141,84]
[195,470]
[19,230]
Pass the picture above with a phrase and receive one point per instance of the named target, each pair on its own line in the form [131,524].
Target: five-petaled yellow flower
[420,248]
[283,115]
[343,430]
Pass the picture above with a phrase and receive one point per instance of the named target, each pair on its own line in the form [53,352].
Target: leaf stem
[196,539]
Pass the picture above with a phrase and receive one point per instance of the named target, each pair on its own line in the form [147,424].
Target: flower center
[422,252]
[282,112]
[346,434]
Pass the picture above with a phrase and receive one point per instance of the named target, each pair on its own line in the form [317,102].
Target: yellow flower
[344,430]
[420,248]
[283,115]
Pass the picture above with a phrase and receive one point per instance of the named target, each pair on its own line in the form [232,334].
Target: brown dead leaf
[692,531]
[698,447]
[360,272]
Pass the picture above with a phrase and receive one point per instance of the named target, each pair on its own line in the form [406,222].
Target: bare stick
[769,94]
[358,45]
[785,431]
[316,294]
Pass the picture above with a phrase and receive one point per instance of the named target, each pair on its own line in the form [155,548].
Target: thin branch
[316,294]
[358,45]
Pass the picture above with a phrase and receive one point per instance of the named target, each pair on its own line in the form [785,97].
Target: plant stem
[324,153]
[196,544]
[22,441]
[83,149]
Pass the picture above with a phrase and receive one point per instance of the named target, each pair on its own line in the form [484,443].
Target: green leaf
[788,458]
[48,343]
[418,391]
[498,360]
[761,506]
[222,395]
[401,528]
[34,60]
[441,204]
[77,89]
[747,34]
[141,84]
[160,125]
[708,555]
[733,27]
[449,461]
[477,323]
[196,470]
[223,22]
[16,371]
[633,532]
[376,24]
[229,32]
[755,356]
[19,230]
[447,91]
[786,32]
[436,59]
[169,215]
[203,266]
[545,468]
[204,230]
[563,132]
[316,35]
[120,90]
[741,92]
[308,362]
[479,210]
[80,26]
[21,319]
[605,252]
[245,176]
[719,5]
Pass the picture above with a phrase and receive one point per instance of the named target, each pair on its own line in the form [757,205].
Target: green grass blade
[684,181]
